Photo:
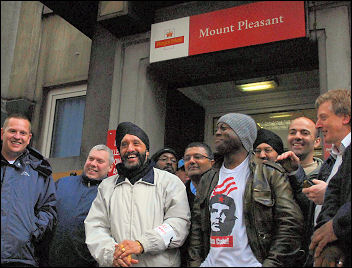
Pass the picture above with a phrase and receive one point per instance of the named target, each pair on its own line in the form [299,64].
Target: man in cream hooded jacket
[141,213]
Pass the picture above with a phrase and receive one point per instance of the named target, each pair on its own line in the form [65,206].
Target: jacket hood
[38,162]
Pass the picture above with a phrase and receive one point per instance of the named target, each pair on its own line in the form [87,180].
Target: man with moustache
[198,158]
[268,223]
[141,216]
[268,145]
[166,159]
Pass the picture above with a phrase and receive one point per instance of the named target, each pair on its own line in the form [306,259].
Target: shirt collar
[344,144]
[193,188]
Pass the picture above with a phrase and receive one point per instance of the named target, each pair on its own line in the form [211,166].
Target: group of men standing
[234,210]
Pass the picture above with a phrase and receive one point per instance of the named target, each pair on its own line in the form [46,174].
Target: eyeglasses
[165,159]
[266,150]
[196,157]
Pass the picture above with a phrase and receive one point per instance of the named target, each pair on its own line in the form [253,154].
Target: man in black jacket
[75,195]
[331,240]
[333,236]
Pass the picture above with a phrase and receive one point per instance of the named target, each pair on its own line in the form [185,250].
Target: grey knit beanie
[244,126]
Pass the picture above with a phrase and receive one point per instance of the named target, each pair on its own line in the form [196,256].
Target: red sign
[240,26]
[110,142]
[246,25]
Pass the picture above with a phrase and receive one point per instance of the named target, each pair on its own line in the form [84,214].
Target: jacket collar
[88,181]
[148,178]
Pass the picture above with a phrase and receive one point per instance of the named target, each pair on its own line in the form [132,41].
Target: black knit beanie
[269,137]
[132,129]
[156,156]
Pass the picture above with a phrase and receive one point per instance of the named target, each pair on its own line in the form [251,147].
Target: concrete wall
[65,52]
[100,84]
[143,100]
[330,23]
[63,60]
[10,14]
[135,96]
[25,62]
[37,52]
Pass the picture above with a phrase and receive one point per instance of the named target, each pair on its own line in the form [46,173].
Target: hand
[323,235]
[331,256]
[289,161]
[316,192]
[123,253]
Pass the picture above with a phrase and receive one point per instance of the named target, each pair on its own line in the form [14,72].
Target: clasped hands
[123,253]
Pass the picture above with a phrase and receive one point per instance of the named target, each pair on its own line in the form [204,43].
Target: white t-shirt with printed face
[228,239]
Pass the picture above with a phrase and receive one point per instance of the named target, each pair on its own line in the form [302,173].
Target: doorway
[184,121]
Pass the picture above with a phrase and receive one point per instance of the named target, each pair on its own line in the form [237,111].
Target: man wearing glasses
[268,145]
[198,159]
[166,159]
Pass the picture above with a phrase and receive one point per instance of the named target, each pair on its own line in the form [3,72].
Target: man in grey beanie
[269,223]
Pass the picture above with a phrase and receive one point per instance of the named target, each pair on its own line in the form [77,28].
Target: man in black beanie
[166,159]
[268,145]
[141,212]
[135,163]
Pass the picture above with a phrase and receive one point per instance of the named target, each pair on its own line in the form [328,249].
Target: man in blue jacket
[75,195]
[27,195]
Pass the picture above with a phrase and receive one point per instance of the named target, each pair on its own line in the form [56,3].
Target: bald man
[302,139]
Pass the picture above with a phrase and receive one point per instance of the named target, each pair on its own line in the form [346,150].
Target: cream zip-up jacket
[154,211]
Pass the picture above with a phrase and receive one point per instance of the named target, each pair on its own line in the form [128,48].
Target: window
[64,122]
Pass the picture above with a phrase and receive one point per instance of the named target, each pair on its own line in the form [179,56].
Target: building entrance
[208,84]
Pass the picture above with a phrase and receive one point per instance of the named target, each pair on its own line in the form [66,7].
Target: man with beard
[166,159]
[269,225]
[268,145]
[140,216]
